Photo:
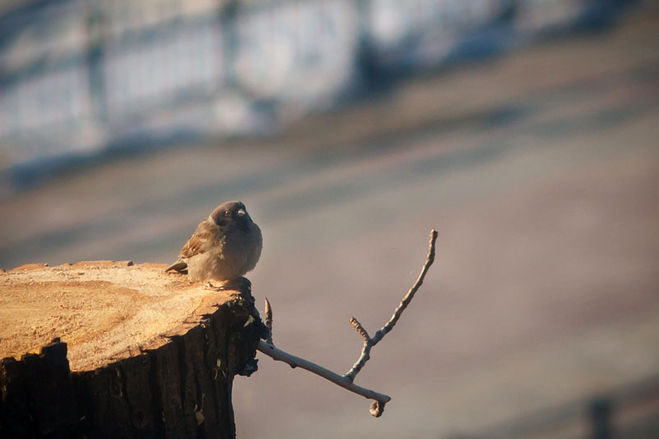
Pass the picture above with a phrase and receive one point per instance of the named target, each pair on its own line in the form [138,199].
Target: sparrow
[223,247]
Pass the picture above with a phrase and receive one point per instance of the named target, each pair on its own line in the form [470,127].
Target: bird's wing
[197,244]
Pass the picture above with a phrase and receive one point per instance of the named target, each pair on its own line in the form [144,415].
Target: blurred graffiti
[79,77]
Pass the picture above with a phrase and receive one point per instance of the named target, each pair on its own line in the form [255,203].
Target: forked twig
[369,342]
[347,380]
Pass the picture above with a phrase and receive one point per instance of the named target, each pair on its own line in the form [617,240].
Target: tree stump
[112,349]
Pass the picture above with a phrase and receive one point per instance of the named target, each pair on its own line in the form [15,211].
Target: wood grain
[113,349]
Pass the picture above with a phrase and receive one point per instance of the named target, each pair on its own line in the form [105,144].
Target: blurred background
[525,131]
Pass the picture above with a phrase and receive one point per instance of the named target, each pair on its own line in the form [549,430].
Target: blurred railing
[78,77]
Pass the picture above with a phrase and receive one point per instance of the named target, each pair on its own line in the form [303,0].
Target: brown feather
[197,243]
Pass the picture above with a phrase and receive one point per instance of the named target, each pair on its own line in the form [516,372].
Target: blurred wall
[79,77]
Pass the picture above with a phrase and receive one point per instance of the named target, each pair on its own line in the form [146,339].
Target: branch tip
[268,320]
[377,408]
[360,329]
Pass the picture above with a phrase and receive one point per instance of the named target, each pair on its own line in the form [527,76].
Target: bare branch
[370,342]
[347,380]
[268,320]
[430,258]
[277,354]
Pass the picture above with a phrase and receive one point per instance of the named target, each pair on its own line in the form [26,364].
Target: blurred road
[540,172]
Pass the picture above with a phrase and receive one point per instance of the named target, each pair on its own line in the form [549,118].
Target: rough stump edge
[181,389]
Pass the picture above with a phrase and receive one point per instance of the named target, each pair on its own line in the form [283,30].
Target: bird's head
[231,212]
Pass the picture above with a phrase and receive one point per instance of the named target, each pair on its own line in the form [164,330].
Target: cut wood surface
[113,349]
[104,310]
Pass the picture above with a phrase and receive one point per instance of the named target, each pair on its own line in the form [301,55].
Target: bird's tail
[179,267]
